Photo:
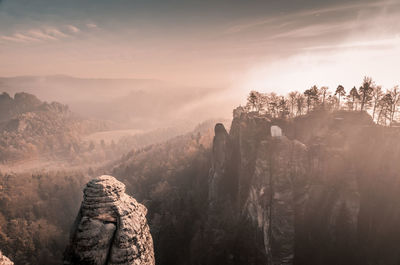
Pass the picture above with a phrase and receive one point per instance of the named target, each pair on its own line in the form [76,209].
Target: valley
[222,187]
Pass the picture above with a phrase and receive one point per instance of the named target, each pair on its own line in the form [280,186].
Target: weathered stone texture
[111,227]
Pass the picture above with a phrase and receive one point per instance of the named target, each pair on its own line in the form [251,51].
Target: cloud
[45,33]
[379,44]
[55,32]
[372,26]
[18,37]
[315,30]
[307,14]
[327,68]
[11,38]
[91,26]
[39,34]
[25,37]
[73,29]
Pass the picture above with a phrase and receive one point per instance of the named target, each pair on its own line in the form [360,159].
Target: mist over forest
[199,132]
[132,103]
[207,188]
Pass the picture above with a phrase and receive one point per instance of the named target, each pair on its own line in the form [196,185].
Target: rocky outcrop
[274,192]
[219,154]
[262,179]
[277,194]
[111,227]
[21,103]
[4,260]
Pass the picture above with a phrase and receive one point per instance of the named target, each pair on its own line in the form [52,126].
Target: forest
[37,131]
[37,209]
[379,103]
[170,176]
[224,132]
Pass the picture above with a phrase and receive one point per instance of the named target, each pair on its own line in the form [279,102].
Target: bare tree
[292,97]
[294,104]
[252,99]
[283,108]
[365,92]
[331,102]
[324,94]
[312,97]
[353,98]
[377,94]
[256,101]
[385,108]
[395,94]
[340,92]
[273,104]
[300,103]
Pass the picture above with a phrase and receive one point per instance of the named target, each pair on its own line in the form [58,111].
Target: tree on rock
[312,97]
[340,92]
[377,94]
[365,92]
[353,98]
[256,101]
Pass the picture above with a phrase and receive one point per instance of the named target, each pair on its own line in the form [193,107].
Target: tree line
[381,105]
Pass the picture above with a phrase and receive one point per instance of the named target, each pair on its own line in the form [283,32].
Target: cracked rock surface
[111,227]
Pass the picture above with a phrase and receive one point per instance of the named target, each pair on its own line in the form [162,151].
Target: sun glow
[344,65]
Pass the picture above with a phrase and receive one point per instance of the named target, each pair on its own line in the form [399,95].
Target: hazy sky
[265,45]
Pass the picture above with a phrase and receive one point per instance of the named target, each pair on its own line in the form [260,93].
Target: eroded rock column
[111,227]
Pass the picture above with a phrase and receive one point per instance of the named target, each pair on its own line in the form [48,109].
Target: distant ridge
[137,103]
[62,76]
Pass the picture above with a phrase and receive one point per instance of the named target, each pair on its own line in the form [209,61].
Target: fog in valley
[133,103]
[200,133]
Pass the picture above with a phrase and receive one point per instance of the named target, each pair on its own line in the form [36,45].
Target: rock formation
[219,153]
[260,178]
[4,260]
[275,191]
[111,227]
[276,195]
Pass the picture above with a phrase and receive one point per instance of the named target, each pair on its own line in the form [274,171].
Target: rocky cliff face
[4,260]
[276,193]
[285,195]
[218,165]
[111,227]
[260,178]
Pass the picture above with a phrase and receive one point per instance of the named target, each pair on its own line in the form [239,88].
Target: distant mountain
[61,87]
[139,103]
[29,127]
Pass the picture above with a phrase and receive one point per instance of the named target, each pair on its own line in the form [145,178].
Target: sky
[264,45]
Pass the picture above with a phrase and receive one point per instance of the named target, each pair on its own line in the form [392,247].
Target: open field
[109,136]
